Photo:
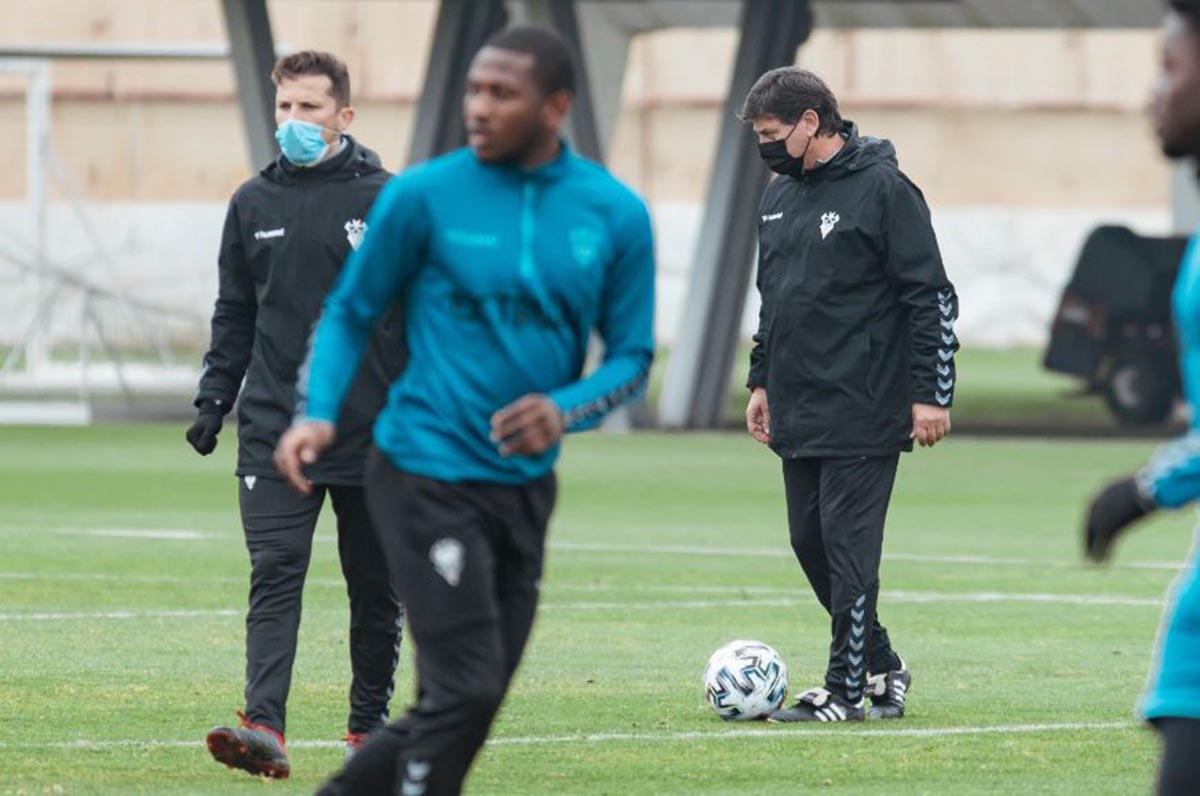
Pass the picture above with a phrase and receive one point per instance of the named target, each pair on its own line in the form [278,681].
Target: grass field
[122,582]
[1009,392]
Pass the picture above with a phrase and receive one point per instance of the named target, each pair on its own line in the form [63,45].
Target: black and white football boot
[819,704]
[888,692]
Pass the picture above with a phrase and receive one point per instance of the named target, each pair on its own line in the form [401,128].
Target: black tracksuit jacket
[287,233]
[857,318]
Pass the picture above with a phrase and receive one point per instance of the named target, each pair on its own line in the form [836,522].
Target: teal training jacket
[505,273]
[1173,479]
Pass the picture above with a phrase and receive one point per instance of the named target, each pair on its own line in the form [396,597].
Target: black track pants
[467,560]
[836,512]
[1179,769]
[279,526]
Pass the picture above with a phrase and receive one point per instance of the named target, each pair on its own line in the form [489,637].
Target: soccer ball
[745,680]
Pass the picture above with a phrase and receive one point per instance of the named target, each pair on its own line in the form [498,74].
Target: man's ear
[810,122]
[555,108]
[345,117]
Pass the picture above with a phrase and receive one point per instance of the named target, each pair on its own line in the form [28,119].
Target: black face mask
[775,154]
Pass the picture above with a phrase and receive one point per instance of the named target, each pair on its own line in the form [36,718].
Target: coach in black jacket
[853,360]
[287,233]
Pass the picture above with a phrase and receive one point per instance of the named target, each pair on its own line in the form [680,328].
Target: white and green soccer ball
[745,680]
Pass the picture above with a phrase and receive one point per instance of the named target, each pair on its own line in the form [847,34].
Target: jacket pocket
[869,367]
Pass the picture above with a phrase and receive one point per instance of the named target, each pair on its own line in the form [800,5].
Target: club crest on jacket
[355,229]
[828,221]
[585,245]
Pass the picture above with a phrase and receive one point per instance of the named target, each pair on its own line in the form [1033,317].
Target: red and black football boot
[254,748]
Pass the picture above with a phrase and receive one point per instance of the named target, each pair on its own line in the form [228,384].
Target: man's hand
[1112,510]
[758,416]
[528,426]
[930,424]
[302,444]
[203,434]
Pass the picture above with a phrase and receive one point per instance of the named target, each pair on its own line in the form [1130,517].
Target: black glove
[203,433]
[1113,509]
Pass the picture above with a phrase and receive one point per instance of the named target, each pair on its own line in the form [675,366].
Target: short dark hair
[552,66]
[1187,8]
[787,92]
[316,62]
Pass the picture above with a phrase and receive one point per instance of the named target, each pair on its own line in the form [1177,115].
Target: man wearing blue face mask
[287,233]
[511,253]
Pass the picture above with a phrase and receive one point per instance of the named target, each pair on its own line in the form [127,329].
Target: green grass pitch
[123,576]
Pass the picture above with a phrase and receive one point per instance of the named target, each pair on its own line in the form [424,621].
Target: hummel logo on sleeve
[264,234]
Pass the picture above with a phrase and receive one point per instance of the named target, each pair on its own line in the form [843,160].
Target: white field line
[183,534]
[797,593]
[783,552]
[759,596]
[109,577]
[815,731]
[50,616]
[889,597]
[168,534]
[653,605]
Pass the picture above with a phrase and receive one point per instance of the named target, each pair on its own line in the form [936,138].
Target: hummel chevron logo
[946,356]
[858,615]
[856,659]
[947,339]
[943,370]
[947,324]
[856,645]
[943,400]
[945,385]
[862,598]
[946,309]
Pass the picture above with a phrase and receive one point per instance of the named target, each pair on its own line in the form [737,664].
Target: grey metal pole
[253,50]
[462,27]
[696,387]
[585,132]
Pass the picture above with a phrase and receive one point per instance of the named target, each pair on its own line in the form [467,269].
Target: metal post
[695,390]
[1185,198]
[461,29]
[585,134]
[253,49]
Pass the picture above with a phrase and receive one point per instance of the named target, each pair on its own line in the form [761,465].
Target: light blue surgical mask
[301,142]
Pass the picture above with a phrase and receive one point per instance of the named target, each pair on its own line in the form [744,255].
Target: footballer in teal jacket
[1170,480]
[1171,701]
[505,273]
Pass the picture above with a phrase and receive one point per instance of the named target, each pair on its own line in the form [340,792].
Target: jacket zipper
[529,193]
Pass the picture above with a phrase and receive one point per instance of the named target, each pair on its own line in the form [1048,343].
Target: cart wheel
[1139,390]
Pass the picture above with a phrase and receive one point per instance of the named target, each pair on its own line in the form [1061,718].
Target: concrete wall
[1020,140]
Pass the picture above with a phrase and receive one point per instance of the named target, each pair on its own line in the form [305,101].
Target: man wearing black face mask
[852,362]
